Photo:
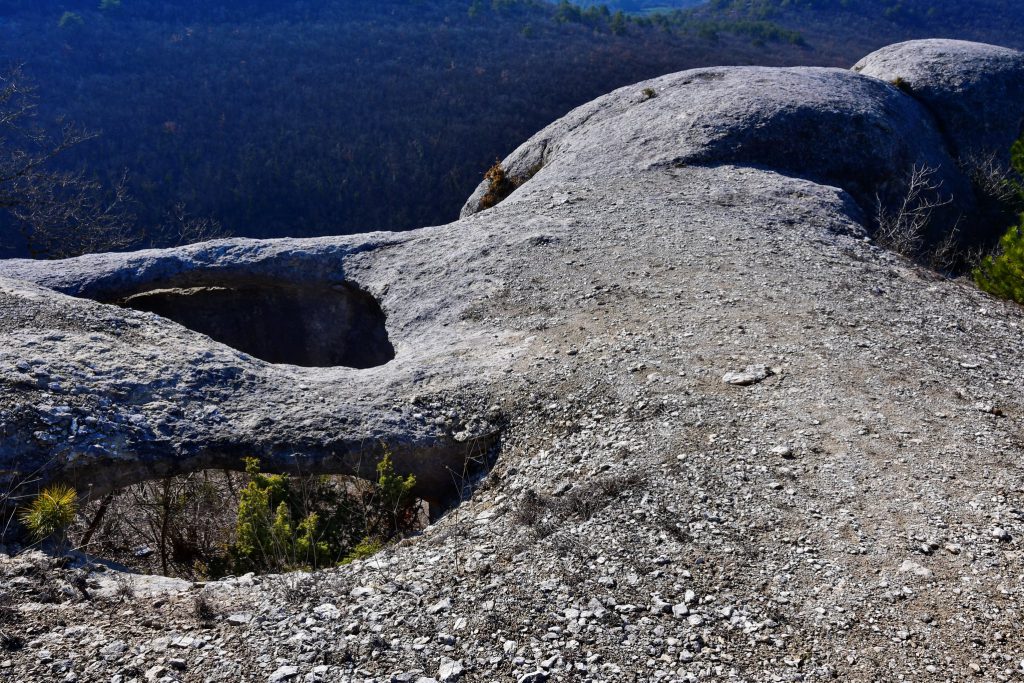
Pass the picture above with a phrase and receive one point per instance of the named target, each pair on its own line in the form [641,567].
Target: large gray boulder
[320,355]
[637,500]
[974,91]
[276,349]
[829,125]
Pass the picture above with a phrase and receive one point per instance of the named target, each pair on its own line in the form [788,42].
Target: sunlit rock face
[319,355]
[974,92]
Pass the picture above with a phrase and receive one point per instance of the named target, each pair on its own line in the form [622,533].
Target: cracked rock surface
[856,514]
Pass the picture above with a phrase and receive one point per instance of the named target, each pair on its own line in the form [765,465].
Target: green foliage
[252,529]
[286,522]
[266,535]
[365,548]
[70,20]
[1002,273]
[306,543]
[618,23]
[1017,156]
[51,513]
[394,499]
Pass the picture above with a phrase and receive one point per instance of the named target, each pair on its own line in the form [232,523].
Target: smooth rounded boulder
[974,91]
[831,126]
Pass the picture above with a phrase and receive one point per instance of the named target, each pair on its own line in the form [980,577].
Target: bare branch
[903,228]
[60,213]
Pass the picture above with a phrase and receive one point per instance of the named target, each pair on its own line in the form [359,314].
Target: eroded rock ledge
[849,509]
[317,354]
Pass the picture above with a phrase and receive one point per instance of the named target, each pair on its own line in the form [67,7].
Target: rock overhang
[832,127]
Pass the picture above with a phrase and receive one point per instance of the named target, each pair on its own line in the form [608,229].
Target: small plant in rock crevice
[902,84]
[500,184]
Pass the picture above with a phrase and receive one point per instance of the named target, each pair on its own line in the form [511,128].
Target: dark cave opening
[310,325]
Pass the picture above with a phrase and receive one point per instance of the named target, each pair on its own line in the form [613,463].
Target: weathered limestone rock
[644,518]
[828,125]
[974,91]
[317,355]
[104,395]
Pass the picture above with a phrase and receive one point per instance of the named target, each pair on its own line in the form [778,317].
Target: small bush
[203,607]
[282,525]
[366,548]
[51,513]
[1002,272]
[500,185]
[286,523]
[903,227]
[394,502]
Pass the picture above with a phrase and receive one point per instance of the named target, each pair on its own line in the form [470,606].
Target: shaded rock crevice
[311,325]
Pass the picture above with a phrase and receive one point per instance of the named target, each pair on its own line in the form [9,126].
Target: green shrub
[51,513]
[70,20]
[395,504]
[1002,273]
[286,522]
[367,547]
[267,536]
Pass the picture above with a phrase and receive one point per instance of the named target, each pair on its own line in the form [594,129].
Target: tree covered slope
[302,118]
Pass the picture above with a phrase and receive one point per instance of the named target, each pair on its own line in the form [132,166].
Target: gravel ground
[855,515]
[739,442]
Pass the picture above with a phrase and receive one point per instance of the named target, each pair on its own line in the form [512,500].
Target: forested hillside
[307,118]
[848,26]
[644,6]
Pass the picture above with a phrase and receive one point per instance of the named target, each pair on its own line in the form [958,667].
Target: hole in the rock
[309,325]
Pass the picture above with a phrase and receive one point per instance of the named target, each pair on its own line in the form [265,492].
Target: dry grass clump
[500,184]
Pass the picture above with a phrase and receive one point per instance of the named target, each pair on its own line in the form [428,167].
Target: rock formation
[644,520]
[974,92]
